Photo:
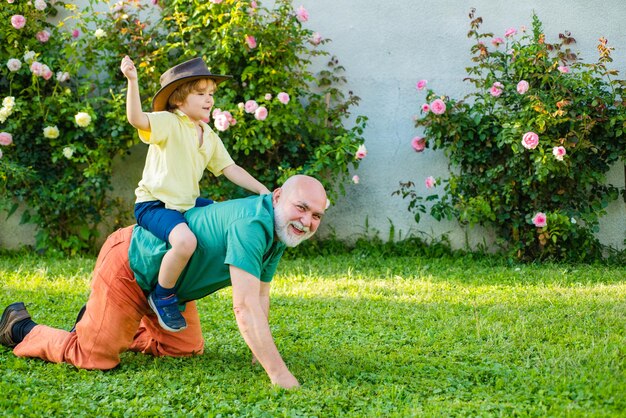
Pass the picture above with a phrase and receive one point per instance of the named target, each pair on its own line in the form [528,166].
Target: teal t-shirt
[238,232]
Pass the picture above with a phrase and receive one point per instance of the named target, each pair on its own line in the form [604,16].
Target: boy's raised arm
[135,115]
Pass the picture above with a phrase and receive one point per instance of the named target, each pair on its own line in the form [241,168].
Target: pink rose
[260,113]
[438,107]
[251,106]
[418,143]
[221,122]
[564,69]
[251,41]
[283,97]
[425,108]
[18,21]
[429,182]
[530,140]
[316,38]
[215,1]
[301,14]
[40,5]
[540,220]
[36,68]
[6,138]
[229,117]
[75,33]
[222,119]
[42,36]
[496,89]
[510,32]
[268,96]
[559,153]
[522,87]
[361,152]
[355,179]
[497,42]
[45,72]
[421,84]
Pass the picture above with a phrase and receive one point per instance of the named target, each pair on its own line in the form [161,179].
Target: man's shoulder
[251,216]
[251,206]
[233,214]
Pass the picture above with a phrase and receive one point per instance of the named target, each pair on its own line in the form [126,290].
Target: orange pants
[117,318]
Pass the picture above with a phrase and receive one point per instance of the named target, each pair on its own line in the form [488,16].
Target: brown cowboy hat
[191,70]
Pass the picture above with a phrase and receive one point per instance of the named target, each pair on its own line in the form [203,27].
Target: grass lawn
[366,336]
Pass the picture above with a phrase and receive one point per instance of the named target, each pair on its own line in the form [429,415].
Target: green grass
[366,336]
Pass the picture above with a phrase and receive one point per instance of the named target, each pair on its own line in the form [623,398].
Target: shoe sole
[163,324]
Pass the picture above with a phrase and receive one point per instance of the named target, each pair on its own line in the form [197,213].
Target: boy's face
[199,102]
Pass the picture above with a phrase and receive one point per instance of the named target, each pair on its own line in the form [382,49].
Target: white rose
[82,119]
[29,56]
[8,102]
[99,33]
[14,64]
[51,132]
[68,152]
[40,4]
[4,114]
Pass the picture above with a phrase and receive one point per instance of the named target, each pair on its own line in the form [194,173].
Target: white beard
[283,232]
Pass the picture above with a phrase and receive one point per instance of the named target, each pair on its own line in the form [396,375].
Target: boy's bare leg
[183,243]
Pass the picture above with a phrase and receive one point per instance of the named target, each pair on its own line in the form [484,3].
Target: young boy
[181,146]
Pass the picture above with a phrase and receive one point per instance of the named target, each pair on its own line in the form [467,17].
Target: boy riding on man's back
[181,146]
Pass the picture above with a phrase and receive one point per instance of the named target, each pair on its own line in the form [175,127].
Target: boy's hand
[128,68]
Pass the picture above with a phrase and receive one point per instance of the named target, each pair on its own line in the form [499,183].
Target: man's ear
[276,195]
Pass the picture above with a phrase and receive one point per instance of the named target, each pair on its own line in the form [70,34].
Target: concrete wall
[386,47]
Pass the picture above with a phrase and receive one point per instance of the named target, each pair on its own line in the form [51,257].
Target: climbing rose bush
[530,147]
[63,118]
[288,119]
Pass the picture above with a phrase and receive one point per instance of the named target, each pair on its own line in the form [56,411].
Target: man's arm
[254,326]
[264,300]
[242,178]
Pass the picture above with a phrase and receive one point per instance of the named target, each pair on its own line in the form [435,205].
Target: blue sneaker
[167,312]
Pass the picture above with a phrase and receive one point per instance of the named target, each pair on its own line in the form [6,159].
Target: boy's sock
[21,329]
[163,292]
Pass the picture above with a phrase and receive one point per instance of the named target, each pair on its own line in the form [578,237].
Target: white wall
[386,47]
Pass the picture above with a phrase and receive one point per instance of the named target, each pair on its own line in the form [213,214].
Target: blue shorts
[154,217]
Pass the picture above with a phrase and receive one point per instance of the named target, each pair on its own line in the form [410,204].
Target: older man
[240,243]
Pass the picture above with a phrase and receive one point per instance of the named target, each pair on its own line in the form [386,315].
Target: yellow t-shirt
[176,162]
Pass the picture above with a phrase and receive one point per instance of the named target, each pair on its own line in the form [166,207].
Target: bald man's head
[299,206]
